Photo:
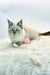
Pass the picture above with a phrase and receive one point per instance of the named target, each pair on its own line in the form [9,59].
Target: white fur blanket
[28,59]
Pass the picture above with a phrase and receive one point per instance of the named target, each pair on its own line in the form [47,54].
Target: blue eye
[16,29]
[12,30]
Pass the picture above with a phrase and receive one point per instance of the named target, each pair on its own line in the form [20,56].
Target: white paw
[15,45]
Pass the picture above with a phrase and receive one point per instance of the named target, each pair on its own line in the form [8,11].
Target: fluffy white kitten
[18,32]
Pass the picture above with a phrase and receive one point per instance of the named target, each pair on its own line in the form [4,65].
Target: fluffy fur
[31,59]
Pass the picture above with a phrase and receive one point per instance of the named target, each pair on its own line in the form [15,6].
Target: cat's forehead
[15,25]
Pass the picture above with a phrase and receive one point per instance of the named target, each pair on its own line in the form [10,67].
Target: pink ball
[26,41]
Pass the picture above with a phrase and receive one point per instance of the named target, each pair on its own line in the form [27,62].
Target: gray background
[33,12]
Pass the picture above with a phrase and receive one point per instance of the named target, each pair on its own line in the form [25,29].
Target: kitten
[18,32]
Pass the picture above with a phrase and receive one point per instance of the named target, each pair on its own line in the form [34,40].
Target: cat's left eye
[16,29]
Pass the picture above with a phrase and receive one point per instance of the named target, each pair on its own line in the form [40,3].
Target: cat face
[14,28]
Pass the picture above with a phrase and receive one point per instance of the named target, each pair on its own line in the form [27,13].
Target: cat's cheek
[9,31]
[19,31]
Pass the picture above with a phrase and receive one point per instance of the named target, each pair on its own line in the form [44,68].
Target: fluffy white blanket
[28,59]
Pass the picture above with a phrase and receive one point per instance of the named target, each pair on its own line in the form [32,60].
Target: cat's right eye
[16,29]
[12,30]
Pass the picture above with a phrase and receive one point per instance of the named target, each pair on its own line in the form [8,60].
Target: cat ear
[9,22]
[20,23]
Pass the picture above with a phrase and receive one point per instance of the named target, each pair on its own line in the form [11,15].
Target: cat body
[30,32]
[18,32]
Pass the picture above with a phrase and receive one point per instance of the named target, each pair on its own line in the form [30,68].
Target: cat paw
[15,45]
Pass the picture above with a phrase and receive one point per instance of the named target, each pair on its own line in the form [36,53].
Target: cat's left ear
[20,23]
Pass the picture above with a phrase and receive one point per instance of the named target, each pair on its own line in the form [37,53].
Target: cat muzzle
[14,32]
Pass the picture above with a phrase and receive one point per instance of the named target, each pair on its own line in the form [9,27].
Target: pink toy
[26,41]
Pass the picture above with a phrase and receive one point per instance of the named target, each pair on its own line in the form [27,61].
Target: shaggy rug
[27,59]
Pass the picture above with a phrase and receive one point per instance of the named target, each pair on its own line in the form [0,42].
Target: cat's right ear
[9,22]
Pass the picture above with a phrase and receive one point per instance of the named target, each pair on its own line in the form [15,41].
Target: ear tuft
[20,23]
[9,22]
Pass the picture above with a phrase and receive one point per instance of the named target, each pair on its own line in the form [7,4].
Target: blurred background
[33,12]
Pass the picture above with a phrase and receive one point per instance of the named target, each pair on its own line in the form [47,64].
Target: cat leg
[15,45]
[19,43]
